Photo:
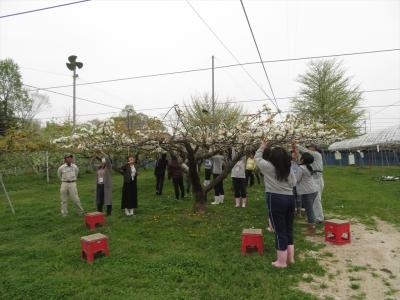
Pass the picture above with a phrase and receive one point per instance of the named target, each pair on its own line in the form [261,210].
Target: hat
[68,155]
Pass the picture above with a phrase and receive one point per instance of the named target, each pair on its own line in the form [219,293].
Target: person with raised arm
[318,168]
[279,181]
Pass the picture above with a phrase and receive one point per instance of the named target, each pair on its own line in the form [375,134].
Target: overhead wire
[259,54]
[229,51]
[41,9]
[78,98]
[228,102]
[219,67]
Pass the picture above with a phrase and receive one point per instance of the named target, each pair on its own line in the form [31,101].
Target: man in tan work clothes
[68,173]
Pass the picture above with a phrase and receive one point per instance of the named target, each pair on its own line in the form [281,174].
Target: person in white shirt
[218,165]
[239,182]
[68,173]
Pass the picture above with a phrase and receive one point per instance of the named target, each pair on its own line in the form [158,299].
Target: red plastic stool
[337,231]
[92,244]
[94,218]
[252,238]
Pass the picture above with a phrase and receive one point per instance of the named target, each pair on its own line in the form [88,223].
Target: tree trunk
[200,204]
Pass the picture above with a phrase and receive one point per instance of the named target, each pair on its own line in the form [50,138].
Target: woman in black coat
[129,188]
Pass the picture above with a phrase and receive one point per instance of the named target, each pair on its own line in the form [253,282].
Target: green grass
[166,251]
[357,192]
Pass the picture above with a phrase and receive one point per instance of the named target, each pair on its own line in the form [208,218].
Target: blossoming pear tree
[198,141]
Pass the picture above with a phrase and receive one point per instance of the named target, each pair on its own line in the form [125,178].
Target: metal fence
[364,158]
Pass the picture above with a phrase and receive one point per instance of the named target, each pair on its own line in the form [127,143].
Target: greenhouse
[376,148]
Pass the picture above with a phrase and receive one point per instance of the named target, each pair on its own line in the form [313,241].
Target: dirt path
[367,268]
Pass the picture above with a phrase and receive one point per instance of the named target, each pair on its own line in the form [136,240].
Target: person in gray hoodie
[279,181]
[218,161]
[318,168]
[239,181]
[307,188]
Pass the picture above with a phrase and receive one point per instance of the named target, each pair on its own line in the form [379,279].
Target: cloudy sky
[122,39]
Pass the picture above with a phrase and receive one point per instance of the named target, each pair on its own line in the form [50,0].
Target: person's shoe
[127,212]
[131,212]
[290,254]
[237,202]
[281,261]
[216,200]
[244,202]
[221,199]
[310,229]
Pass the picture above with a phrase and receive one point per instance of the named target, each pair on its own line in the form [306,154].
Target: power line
[228,102]
[66,95]
[40,9]
[229,51]
[386,107]
[259,54]
[221,67]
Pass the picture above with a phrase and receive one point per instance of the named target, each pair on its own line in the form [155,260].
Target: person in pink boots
[279,181]
[239,181]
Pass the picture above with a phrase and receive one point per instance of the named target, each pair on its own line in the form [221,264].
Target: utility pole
[212,91]
[129,111]
[369,117]
[74,97]
[71,65]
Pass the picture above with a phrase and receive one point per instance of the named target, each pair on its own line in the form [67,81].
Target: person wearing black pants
[307,189]
[219,189]
[159,172]
[104,185]
[279,181]
[175,171]
[218,161]
[239,182]
[178,186]
[281,213]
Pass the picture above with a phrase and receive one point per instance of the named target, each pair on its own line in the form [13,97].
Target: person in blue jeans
[307,189]
[279,181]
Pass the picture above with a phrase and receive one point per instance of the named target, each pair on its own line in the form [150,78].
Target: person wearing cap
[317,167]
[68,173]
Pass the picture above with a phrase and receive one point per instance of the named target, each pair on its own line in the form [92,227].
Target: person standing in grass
[207,171]
[175,172]
[68,174]
[307,189]
[279,181]
[250,167]
[318,167]
[218,165]
[239,182]
[159,172]
[129,188]
[104,185]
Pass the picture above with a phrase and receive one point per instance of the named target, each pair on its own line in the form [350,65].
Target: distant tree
[11,93]
[328,97]
[28,107]
[201,112]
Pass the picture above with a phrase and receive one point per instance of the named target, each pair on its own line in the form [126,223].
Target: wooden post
[5,192]
[47,167]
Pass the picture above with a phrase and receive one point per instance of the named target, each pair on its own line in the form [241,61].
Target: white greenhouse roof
[385,138]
